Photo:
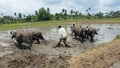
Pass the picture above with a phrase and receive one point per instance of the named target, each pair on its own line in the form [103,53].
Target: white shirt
[62,33]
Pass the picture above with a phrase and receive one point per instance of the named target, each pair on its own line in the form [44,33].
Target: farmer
[72,29]
[63,36]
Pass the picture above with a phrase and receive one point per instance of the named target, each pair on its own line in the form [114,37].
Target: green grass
[29,25]
[118,37]
[56,23]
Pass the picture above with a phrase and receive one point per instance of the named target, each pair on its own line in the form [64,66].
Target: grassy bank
[56,23]
[118,37]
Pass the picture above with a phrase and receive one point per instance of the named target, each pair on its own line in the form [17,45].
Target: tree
[15,14]
[24,15]
[36,12]
[48,9]
[99,15]
[88,13]
[65,15]
[71,13]
[57,16]
[43,15]
[20,15]
[6,20]
[76,14]
[80,15]
[114,14]
[63,10]
[28,18]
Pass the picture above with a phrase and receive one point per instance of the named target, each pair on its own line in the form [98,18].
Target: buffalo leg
[19,44]
[30,45]
[92,40]
[75,35]
[36,38]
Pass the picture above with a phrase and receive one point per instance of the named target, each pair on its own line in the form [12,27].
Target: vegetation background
[41,16]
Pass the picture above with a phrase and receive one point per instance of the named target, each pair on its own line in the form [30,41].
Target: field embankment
[100,57]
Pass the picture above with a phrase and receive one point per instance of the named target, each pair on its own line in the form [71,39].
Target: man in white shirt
[63,36]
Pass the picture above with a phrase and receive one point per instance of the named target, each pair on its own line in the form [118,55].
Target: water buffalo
[27,37]
[76,32]
[38,36]
[80,33]
[91,33]
[87,31]
[22,36]
[83,33]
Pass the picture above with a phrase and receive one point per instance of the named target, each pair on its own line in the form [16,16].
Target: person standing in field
[63,36]
[72,29]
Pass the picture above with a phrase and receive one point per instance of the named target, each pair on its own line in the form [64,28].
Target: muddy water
[106,33]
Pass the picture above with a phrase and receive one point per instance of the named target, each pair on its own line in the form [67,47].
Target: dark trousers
[64,41]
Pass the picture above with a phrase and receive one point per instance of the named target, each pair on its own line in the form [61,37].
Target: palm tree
[48,10]
[89,8]
[88,13]
[15,14]
[20,15]
[23,15]
[63,10]
[71,13]
[36,12]
[80,15]
[76,14]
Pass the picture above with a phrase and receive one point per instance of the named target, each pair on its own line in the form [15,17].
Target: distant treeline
[44,15]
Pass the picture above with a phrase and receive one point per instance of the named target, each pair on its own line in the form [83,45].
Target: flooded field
[106,33]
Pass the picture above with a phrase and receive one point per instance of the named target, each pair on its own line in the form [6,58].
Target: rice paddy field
[104,52]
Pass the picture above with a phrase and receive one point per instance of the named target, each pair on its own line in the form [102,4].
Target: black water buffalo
[83,33]
[22,36]
[80,33]
[91,33]
[76,32]
[27,37]
[38,36]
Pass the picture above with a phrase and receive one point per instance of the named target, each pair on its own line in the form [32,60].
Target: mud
[26,59]
[104,56]
[41,55]
[46,56]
